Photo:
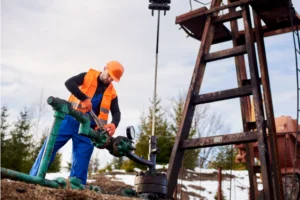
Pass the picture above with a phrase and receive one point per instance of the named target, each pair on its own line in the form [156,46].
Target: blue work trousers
[82,149]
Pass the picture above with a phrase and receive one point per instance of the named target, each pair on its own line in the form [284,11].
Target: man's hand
[86,105]
[110,128]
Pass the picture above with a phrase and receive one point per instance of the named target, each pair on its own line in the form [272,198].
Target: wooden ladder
[253,131]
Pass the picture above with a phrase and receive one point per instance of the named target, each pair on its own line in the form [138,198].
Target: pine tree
[117,162]
[69,166]
[3,130]
[204,124]
[191,156]
[165,139]
[225,158]
[96,164]
[19,145]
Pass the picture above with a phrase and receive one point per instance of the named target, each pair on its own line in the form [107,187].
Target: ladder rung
[236,51]
[220,140]
[298,51]
[221,95]
[227,17]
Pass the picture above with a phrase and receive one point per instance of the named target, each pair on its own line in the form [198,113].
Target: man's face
[106,79]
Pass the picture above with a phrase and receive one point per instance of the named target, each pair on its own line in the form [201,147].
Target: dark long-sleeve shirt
[73,84]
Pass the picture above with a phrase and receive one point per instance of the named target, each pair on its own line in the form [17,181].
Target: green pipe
[100,139]
[65,107]
[14,175]
[61,108]
[84,129]
[117,146]
[43,168]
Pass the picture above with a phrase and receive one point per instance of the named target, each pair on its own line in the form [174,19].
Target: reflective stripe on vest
[89,87]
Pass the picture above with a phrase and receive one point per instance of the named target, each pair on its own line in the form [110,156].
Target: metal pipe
[84,129]
[139,160]
[65,107]
[152,153]
[62,108]
[14,175]
[155,76]
[59,116]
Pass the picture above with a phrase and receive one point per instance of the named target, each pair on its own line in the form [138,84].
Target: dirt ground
[20,190]
[111,189]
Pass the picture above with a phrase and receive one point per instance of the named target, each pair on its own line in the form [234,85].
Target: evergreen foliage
[167,121]
[18,147]
[225,158]
[165,139]
[3,130]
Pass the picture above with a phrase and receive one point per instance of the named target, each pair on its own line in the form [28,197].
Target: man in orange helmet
[92,90]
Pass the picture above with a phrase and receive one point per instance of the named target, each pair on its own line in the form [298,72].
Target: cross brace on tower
[207,25]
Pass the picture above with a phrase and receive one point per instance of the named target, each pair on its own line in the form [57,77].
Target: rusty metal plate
[151,188]
[159,179]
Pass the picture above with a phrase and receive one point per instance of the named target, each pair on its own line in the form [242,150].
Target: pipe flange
[151,183]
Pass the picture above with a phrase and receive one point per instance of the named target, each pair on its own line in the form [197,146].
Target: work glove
[86,105]
[110,128]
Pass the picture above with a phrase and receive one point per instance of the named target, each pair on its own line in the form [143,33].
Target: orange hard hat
[115,70]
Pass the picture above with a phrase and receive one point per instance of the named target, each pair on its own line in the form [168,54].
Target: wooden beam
[235,51]
[221,95]
[202,11]
[258,108]
[219,140]
[189,109]
[268,107]
[227,17]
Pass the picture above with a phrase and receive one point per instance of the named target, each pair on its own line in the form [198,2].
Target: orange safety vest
[89,87]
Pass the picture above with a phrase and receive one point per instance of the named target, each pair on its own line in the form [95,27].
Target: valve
[120,146]
[102,139]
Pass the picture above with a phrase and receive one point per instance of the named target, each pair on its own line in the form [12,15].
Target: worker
[89,90]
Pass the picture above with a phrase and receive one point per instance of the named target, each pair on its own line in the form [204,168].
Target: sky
[43,43]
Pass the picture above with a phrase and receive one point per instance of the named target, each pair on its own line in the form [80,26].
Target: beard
[104,79]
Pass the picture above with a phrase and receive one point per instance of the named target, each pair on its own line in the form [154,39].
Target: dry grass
[20,190]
